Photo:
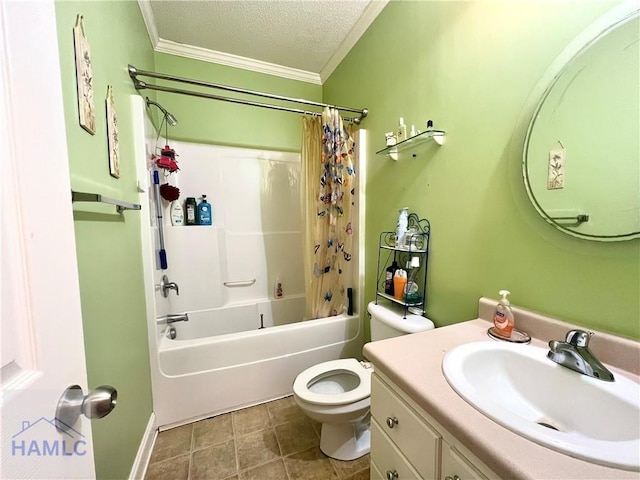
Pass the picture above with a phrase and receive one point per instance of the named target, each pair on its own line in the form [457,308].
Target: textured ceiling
[300,34]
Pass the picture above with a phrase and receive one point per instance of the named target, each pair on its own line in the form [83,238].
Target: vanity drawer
[388,460]
[419,442]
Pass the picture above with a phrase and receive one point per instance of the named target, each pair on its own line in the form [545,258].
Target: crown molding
[213,56]
[368,16]
[198,53]
[149,21]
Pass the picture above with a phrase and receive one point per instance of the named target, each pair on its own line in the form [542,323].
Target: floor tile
[212,431]
[310,464]
[173,469]
[284,410]
[296,435]
[257,448]
[361,475]
[269,471]
[212,463]
[172,443]
[249,420]
[347,468]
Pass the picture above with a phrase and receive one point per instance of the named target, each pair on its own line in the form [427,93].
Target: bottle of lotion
[503,316]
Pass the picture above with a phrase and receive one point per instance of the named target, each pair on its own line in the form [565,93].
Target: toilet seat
[327,369]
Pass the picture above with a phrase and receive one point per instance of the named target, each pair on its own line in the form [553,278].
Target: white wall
[256,231]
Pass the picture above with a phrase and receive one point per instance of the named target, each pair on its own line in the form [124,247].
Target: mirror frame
[608,22]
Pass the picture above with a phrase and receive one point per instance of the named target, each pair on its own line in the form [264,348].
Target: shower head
[171,120]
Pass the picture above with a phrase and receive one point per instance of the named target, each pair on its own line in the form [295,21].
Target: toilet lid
[326,370]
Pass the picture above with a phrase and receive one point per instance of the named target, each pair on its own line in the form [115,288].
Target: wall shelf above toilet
[412,256]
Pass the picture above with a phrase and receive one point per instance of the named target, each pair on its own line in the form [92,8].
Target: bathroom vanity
[422,429]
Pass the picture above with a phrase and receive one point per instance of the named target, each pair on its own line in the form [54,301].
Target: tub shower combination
[202,373]
[239,346]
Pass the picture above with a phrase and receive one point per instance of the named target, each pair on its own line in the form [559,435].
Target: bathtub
[210,368]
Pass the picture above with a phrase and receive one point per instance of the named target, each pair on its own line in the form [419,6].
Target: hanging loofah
[169,192]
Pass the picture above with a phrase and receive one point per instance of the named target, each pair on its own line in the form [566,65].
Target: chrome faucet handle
[578,338]
[166,285]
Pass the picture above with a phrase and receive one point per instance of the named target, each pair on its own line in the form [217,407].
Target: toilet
[337,393]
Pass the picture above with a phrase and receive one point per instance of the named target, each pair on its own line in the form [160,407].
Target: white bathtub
[203,375]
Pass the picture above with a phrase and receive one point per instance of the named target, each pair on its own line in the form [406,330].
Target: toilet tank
[387,321]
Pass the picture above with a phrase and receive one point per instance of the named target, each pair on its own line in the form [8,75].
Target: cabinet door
[388,459]
[417,440]
[456,466]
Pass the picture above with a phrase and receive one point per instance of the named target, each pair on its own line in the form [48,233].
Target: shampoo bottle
[503,316]
[190,207]
[204,212]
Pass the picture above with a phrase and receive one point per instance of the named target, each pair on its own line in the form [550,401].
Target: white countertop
[414,362]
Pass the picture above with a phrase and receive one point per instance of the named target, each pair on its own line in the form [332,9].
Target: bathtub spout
[177,318]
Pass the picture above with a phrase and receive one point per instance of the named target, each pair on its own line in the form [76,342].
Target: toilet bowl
[337,393]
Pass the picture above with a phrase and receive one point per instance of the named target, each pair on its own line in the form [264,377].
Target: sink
[518,387]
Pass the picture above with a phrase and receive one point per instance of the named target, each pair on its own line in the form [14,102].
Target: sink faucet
[574,353]
[177,318]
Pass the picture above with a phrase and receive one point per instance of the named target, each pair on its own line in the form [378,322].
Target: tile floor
[274,441]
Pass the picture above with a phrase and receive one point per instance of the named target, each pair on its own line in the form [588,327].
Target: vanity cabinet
[406,443]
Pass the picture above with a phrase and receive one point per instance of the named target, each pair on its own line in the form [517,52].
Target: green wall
[223,123]
[470,66]
[108,244]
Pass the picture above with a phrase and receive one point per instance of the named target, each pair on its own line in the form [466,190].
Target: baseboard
[140,464]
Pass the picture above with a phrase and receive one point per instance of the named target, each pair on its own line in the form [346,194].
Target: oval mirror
[581,160]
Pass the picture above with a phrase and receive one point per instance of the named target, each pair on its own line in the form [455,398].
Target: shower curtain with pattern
[328,197]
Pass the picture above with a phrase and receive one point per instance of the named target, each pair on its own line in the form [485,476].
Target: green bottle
[191,208]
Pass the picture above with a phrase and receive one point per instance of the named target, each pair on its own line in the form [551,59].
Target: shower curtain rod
[140,85]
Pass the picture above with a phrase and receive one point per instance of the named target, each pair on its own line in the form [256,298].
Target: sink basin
[518,387]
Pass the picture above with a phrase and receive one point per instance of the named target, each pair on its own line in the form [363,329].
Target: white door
[41,326]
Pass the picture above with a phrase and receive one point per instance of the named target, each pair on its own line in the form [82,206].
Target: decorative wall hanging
[112,135]
[84,78]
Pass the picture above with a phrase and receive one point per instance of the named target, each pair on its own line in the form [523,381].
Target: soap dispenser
[204,212]
[503,316]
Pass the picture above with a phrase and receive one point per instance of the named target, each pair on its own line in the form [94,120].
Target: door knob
[73,402]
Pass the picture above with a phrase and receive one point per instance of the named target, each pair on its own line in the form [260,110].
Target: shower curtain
[328,197]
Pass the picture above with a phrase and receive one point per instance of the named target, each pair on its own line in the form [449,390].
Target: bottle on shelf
[402,131]
[191,207]
[388,283]
[204,212]
[401,229]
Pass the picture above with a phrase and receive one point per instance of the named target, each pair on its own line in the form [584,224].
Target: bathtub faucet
[177,318]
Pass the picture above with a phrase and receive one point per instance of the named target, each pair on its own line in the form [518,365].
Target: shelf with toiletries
[402,265]
[398,141]
[436,136]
